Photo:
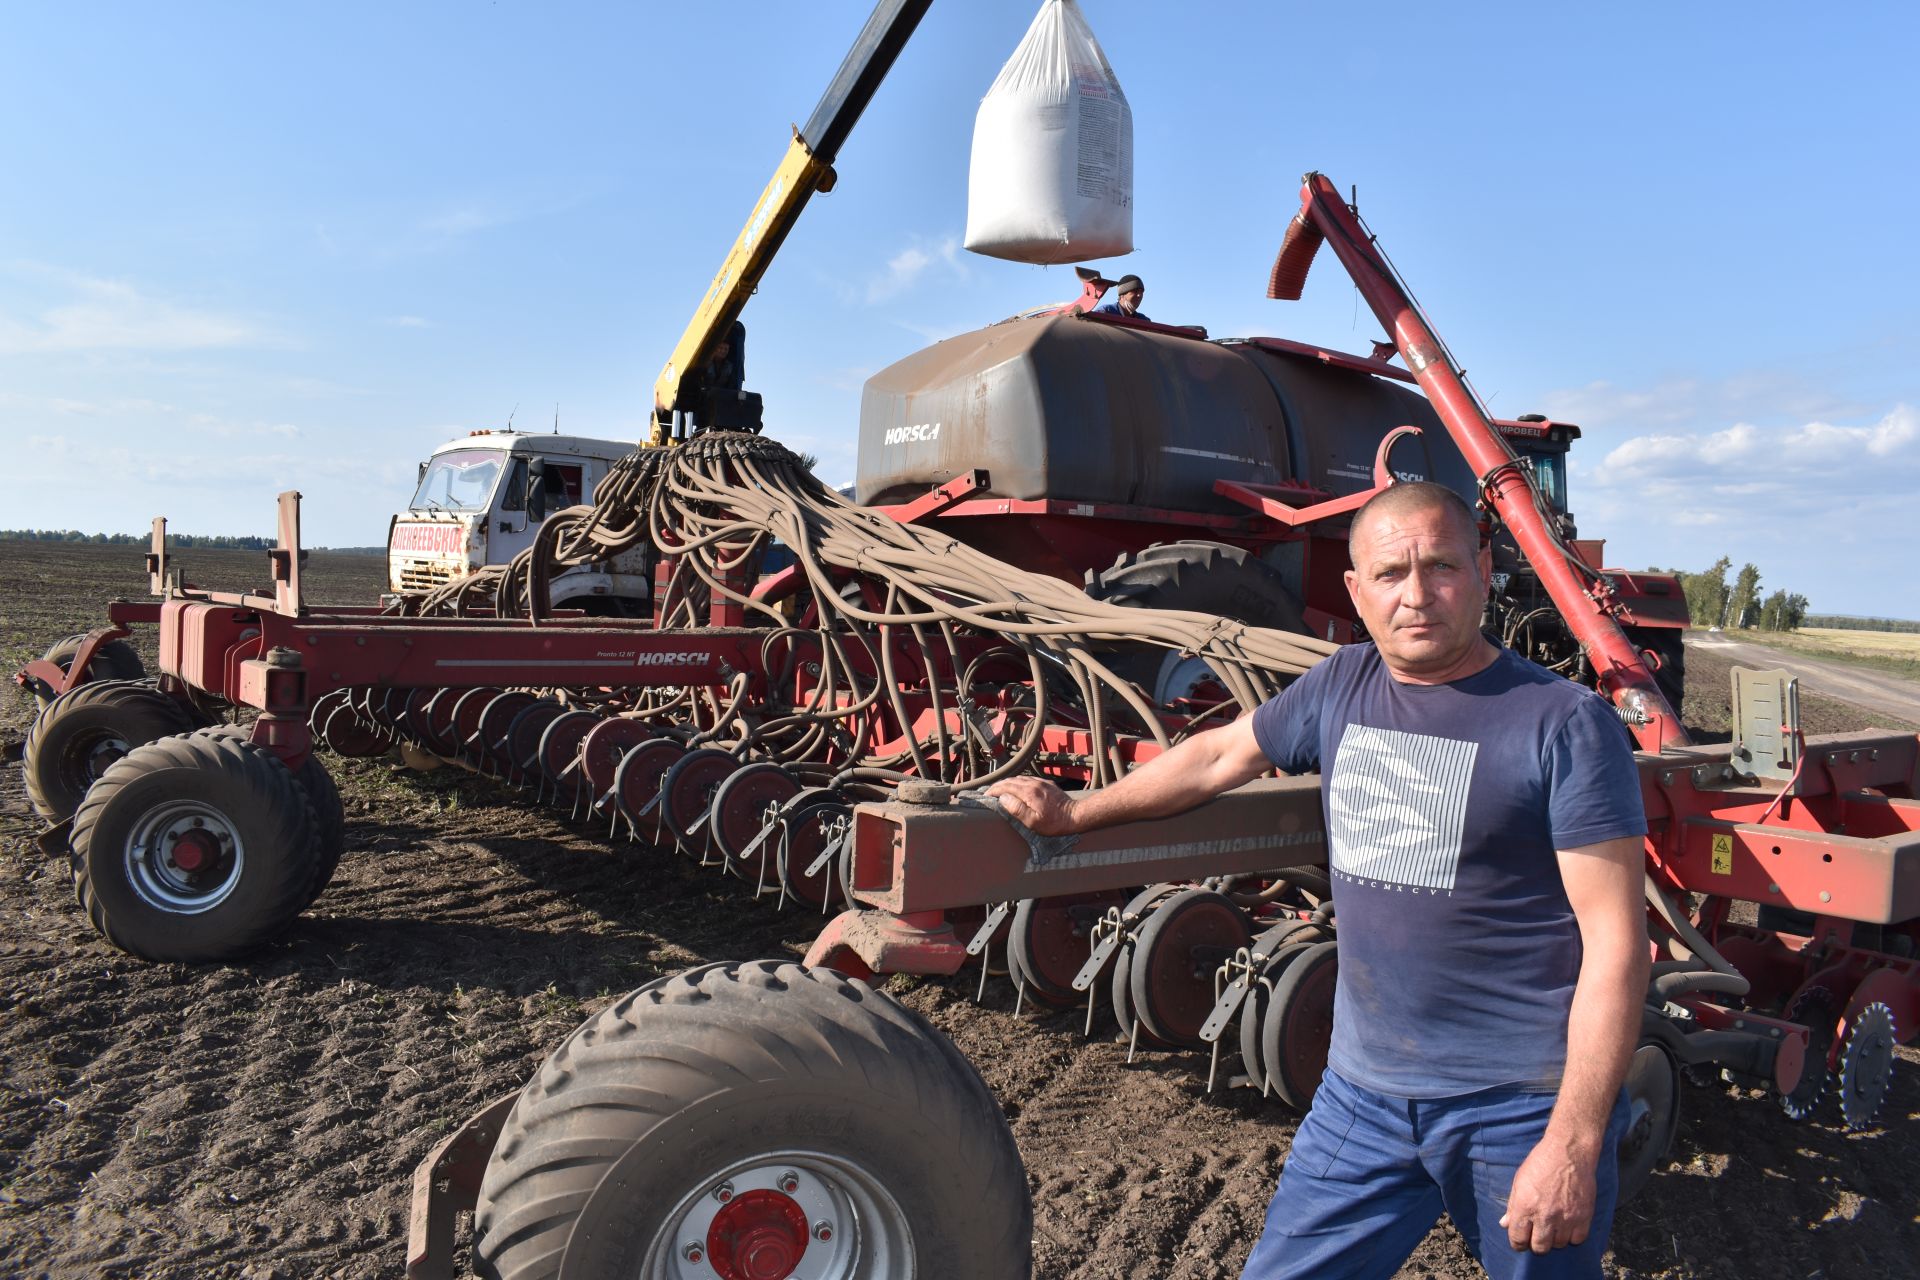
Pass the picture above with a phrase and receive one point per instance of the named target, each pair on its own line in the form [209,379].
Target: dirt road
[1870,690]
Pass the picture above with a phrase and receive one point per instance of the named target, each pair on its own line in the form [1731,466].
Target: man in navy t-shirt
[1484,826]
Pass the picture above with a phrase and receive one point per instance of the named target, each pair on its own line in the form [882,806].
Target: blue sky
[253,247]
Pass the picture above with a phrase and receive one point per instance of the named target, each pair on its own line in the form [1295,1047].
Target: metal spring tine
[1133,1040]
[782,854]
[1019,990]
[986,963]
[1213,1066]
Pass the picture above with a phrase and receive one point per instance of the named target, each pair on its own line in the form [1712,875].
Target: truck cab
[481,499]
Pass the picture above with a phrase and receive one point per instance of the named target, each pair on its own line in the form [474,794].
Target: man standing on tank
[1484,825]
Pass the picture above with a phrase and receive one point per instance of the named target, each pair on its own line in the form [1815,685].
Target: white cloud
[905,268]
[1678,402]
[103,315]
[1744,460]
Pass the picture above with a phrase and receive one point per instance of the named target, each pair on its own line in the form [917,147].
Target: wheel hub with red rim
[760,1235]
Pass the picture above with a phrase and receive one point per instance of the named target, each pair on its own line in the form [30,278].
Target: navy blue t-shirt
[1445,805]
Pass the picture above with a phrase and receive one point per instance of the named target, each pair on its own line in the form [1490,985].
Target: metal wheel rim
[869,1237]
[158,880]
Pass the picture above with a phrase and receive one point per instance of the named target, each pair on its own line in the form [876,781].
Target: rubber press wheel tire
[83,732]
[246,824]
[114,660]
[1298,1027]
[678,1115]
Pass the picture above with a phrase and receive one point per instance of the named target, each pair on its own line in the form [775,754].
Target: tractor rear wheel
[755,1120]
[1199,577]
[114,660]
[196,847]
[1668,645]
[83,732]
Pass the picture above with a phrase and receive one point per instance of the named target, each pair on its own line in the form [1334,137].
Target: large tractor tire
[760,1120]
[84,731]
[114,660]
[1199,577]
[197,847]
[1668,644]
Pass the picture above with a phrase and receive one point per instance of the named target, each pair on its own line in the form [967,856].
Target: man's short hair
[1418,495]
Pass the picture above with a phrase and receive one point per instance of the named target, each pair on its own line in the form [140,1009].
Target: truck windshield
[461,480]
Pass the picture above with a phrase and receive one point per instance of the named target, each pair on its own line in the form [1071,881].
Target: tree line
[245,542]
[1841,622]
[1712,601]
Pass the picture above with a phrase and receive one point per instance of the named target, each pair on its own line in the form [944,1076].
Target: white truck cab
[480,501]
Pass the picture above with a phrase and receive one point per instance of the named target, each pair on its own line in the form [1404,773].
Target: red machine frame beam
[1623,675]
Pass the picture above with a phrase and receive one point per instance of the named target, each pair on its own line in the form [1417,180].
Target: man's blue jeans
[1368,1176]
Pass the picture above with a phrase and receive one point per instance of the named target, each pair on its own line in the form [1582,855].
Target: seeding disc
[524,734]
[602,749]
[636,784]
[346,732]
[1866,1064]
[489,748]
[1179,949]
[1120,976]
[687,791]
[465,732]
[560,749]
[740,812]
[1254,1012]
[1653,1115]
[436,720]
[809,818]
[1050,940]
[1298,1027]
[1817,1009]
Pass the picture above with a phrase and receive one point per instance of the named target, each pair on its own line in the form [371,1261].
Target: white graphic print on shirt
[1398,804]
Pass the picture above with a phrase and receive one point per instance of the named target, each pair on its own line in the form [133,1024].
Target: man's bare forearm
[1190,774]
[1603,1028]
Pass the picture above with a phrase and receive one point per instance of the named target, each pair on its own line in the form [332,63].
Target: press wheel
[687,792]
[1253,1012]
[809,819]
[560,750]
[1179,949]
[1653,1115]
[636,784]
[1298,1027]
[1050,940]
[740,813]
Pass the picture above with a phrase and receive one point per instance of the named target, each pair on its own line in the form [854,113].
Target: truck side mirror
[537,490]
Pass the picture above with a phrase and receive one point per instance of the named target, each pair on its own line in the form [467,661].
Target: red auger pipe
[1623,674]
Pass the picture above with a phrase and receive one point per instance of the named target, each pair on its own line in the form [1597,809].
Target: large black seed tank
[1074,408]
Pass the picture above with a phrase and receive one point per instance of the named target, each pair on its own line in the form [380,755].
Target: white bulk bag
[1052,172]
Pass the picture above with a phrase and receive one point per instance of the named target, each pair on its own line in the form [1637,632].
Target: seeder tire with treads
[794,1108]
[81,733]
[197,847]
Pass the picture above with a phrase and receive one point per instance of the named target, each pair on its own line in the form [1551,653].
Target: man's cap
[1128,284]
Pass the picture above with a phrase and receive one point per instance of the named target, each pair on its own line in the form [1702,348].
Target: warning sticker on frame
[1723,854]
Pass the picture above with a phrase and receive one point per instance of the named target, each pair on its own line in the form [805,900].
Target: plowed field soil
[262,1119]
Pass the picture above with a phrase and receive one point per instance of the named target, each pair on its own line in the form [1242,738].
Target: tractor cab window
[459,480]
[1550,474]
